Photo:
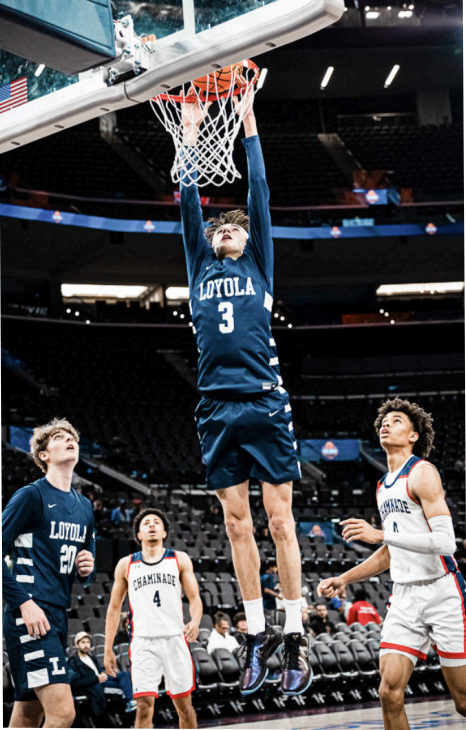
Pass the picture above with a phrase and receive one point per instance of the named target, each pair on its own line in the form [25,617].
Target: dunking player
[429,593]
[48,532]
[244,416]
[153,579]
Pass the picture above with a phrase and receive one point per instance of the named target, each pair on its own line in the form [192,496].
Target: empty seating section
[75,162]
[428,159]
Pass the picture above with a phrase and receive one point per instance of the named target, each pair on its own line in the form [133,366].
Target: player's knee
[391,696]
[281,527]
[66,715]
[237,529]
[460,705]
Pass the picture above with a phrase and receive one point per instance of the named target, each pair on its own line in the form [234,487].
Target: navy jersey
[44,528]
[231,301]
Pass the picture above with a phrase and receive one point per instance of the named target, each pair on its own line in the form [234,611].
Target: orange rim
[180,98]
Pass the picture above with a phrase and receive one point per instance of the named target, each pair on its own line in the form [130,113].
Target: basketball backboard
[192,38]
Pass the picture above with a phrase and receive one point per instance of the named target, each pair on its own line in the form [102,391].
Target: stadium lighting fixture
[102,291]
[405,14]
[39,69]
[372,15]
[445,287]
[391,76]
[282,318]
[392,321]
[327,76]
[181,293]
[181,316]
[290,326]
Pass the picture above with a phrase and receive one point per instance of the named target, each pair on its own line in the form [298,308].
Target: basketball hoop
[210,161]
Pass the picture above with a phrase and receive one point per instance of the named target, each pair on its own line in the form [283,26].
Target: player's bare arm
[119,591]
[191,589]
[425,486]
[193,114]
[357,529]
[376,564]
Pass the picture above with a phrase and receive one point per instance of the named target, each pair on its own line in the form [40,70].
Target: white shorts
[421,615]
[168,657]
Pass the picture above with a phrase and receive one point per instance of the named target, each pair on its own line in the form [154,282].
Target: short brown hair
[42,435]
[420,419]
[149,511]
[235,217]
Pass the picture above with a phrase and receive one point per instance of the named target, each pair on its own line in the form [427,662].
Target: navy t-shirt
[268,580]
[44,528]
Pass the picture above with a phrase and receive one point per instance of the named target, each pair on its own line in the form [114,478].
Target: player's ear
[413,437]
[43,456]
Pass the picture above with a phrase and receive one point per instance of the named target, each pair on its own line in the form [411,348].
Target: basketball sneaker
[297,672]
[259,648]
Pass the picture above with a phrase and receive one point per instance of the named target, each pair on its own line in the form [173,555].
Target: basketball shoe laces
[291,652]
[250,648]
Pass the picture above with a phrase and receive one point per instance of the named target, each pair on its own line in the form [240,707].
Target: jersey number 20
[229,325]
[67,556]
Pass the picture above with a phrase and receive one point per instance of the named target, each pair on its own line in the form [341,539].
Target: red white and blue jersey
[155,596]
[231,301]
[400,511]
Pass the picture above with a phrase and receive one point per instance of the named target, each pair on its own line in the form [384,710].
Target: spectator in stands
[118,514]
[122,635]
[240,625]
[220,637]
[214,515]
[137,508]
[340,603]
[320,622]
[88,678]
[362,611]
[269,582]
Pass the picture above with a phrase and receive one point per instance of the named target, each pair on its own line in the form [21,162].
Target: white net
[205,152]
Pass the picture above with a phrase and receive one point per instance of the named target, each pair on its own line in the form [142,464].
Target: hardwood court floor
[439,714]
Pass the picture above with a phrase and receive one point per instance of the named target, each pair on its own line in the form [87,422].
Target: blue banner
[328,450]
[60,218]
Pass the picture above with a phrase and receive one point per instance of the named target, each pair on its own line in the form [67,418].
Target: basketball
[219,80]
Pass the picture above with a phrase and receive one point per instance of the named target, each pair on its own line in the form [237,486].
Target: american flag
[13,94]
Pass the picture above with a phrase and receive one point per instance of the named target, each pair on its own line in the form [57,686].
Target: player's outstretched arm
[195,244]
[425,485]
[377,563]
[191,588]
[260,225]
[119,591]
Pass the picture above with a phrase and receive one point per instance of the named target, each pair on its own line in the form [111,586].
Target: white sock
[255,618]
[294,620]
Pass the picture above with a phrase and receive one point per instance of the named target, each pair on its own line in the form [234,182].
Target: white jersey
[400,511]
[155,596]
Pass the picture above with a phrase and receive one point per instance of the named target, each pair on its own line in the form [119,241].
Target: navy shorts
[243,439]
[36,662]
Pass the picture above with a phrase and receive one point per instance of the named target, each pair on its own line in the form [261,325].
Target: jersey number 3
[67,557]
[229,325]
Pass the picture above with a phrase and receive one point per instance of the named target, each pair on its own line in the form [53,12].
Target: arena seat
[229,670]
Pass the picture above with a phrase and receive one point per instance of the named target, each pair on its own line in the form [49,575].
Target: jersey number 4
[229,324]
[67,557]
[157,599]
